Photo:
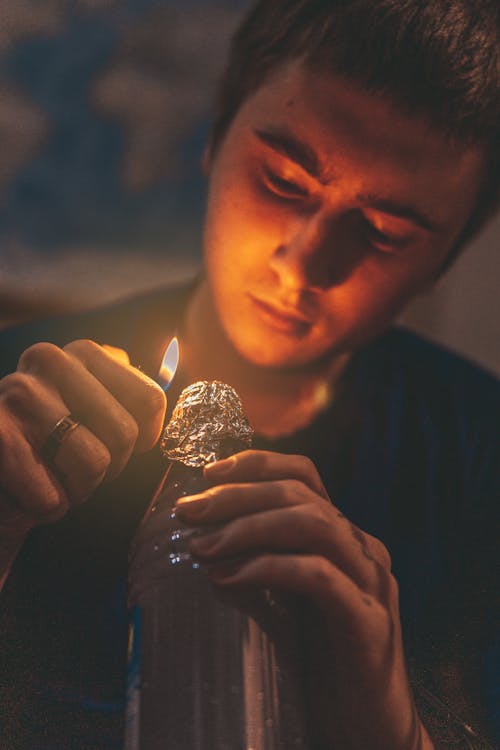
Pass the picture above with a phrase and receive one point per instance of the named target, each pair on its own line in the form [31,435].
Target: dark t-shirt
[409,451]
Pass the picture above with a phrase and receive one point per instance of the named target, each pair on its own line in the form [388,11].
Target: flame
[169,364]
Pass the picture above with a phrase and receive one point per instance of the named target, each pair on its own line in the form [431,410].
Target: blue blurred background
[104,109]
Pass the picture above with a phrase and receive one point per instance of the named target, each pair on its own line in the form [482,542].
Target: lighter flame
[169,364]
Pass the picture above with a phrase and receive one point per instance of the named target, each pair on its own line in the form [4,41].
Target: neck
[277,401]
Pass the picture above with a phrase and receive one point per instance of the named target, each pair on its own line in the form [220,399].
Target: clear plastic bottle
[203,674]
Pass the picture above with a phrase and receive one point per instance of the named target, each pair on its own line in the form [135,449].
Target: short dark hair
[436,58]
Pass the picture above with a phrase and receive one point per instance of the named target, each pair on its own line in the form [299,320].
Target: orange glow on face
[169,364]
[328,210]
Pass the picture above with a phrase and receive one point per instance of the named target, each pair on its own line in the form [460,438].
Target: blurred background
[104,109]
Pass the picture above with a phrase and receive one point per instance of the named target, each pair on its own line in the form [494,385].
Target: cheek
[409,271]
[240,239]
[376,290]
[238,211]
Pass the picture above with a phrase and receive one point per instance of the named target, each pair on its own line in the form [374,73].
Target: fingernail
[189,508]
[187,499]
[220,468]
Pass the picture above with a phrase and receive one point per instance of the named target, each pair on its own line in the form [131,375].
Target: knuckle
[258,464]
[254,461]
[101,461]
[30,492]
[126,435]
[264,459]
[247,455]
[83,349]
[380,552]
[319,513]
[282,490]
[47,506]
[40,357]
[322,575]
[393,588]
[153,401]
[97,466]
[386,558]
[18,390]
[54,505]
[306,464]
[309,474]
[294,489]
[318,522]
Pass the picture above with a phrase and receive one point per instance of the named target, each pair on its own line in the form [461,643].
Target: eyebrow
[283,142]
[402,211]
[301,153]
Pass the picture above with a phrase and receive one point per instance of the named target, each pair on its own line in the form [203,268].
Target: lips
[281,319]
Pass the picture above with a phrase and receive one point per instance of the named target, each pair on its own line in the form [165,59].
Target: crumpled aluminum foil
[207,424]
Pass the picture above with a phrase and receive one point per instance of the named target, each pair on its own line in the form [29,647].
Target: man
[354,152]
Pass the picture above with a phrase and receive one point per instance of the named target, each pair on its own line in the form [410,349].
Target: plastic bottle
[203,674]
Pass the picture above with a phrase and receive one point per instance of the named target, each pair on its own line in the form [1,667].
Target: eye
[282,187]
[382,241]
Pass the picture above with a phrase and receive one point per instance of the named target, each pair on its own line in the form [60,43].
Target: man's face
[328,210]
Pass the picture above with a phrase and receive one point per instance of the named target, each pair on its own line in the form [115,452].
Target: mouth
[282,320]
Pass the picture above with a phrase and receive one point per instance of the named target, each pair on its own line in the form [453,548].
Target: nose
[301,261]
[316,253]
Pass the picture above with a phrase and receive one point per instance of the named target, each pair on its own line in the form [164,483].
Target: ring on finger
[61,430]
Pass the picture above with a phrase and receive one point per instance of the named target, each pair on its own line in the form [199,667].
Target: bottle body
[211,675]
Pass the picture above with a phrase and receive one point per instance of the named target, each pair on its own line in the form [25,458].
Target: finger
[30,409]
[44,492]
[260,466]
[142,398]
[370,547]
[33,494]
[93,389]
[310,576]
[119,354]
[82,463]
[311,526]
[301,529]
[227,501]
[291,529]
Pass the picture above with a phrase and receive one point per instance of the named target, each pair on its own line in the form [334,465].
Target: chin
[273,357]
[259,355]
[261,348]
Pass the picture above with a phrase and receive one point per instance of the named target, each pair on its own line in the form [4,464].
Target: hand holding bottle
[282,532]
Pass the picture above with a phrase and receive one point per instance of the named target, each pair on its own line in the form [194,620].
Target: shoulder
[433,374]
[448,410]
[452,404]
[410,349]
[438,413]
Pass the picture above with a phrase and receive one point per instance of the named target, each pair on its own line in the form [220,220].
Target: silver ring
[62,428]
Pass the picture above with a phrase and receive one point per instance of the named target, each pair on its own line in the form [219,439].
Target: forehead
[344,123]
